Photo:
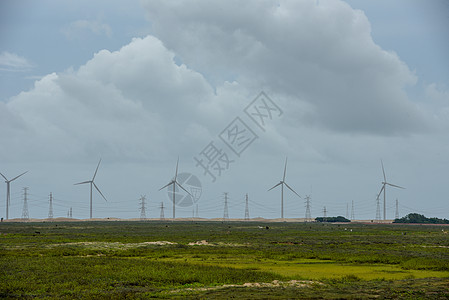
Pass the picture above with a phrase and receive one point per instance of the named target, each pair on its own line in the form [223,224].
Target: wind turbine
[175,182]
[384,185]
[282,183]
[8,191]
[92,183]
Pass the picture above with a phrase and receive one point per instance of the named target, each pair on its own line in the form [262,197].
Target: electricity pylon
[162,217]
[246,208]
[25,214]
[225,212]
[143,215]
[50,207]
[308,214]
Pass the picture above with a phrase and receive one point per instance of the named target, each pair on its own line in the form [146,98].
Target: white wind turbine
[8,191]
[282,183]
[93,183]
[384,189]
[175,182]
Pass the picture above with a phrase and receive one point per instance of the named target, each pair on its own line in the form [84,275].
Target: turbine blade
[381,190]
[18,176]
[83,182]
[4,176]
[95,174]
[183,188]
[292,190]
[397,186]
[275,186]
[383,170]
[285,169]
[176,173]
[171,182]
[99,191]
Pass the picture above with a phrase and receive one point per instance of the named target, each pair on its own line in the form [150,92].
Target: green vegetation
[332,219]
[420,219]
[222,260]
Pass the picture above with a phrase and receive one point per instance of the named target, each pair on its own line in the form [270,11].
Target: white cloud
[78,28]
[319,53]
[124,104]
[13,62]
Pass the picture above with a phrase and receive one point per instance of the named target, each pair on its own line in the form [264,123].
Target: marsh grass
[121,259]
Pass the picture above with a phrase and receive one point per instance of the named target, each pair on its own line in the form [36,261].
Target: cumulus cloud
[78,28]
[124,103]
[13,62]
[320,53]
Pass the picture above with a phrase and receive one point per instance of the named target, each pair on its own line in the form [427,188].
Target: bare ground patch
[273,284]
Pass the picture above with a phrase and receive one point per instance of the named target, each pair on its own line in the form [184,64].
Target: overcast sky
[139,83]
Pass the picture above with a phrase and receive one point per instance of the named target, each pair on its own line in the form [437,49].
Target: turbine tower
[174,182]
[282,183]
[8,191]
[384,188]
[92,183]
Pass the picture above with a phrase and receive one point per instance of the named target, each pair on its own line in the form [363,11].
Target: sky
[232,89]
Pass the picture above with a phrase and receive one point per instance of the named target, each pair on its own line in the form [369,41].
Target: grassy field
[222,260]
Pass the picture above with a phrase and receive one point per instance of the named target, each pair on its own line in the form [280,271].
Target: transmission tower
[352,210]
[50,208]
[324,214]
[70,212]
[196,211]
[308,214]
[25,214]
[396,215]
[162,217]
[225,213]
[246,208]
[143,215]
[378,209]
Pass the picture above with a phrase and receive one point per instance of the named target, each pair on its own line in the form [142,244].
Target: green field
[222,260]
